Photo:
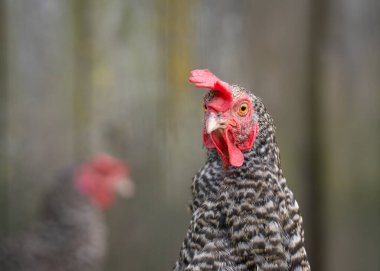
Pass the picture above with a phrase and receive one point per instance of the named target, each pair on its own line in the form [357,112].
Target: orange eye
[243,109]
[205,108]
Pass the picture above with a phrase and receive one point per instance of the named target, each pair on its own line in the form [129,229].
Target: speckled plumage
[244,218]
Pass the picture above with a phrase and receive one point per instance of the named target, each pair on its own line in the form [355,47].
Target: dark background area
[80,77]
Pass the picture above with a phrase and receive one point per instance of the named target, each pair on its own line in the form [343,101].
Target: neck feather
[263,156]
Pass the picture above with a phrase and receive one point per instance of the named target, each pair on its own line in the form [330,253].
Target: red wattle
[236,156]
[207,142]
[228,151]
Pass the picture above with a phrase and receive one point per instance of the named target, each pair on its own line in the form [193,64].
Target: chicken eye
[243,109]
[205,108]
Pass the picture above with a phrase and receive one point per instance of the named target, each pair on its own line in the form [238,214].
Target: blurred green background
[79,77]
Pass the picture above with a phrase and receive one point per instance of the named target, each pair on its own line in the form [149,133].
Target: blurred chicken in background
[70,234]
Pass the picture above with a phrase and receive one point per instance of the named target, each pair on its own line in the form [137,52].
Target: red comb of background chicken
[97,177]
[206,79]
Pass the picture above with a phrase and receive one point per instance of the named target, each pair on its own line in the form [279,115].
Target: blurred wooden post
[3,120]
[82,27]
[316,188]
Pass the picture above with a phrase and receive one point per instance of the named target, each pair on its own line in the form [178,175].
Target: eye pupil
[243,109]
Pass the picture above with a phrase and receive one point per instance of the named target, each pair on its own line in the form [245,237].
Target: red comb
[206,79]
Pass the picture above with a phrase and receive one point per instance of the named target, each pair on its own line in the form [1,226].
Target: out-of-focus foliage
[78,77]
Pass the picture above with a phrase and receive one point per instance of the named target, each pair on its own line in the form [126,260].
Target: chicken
[244,217]
[70,234]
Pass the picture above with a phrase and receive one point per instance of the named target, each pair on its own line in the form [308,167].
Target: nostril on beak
[213,122]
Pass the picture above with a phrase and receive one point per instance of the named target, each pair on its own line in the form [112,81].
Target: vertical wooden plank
[179,130]
[82,28]
[315,155]
[39,111]
[3,120]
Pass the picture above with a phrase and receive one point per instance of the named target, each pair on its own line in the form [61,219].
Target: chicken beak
[213,122]
[125,187]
